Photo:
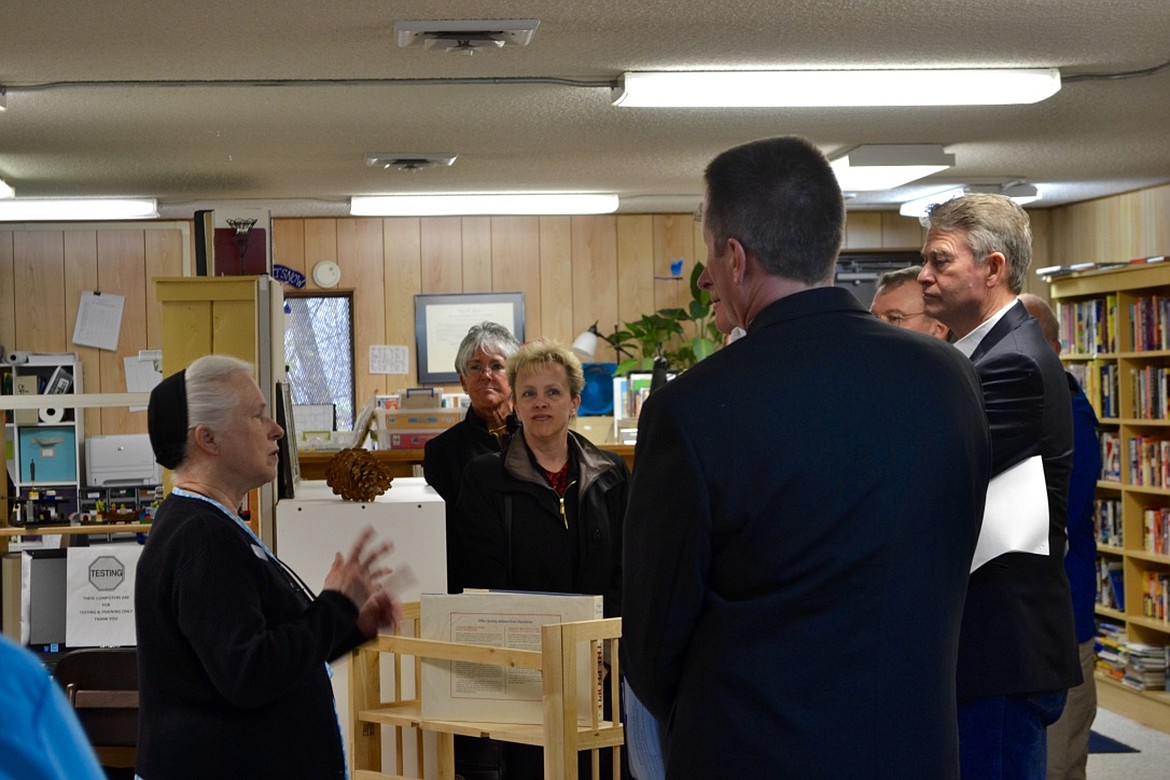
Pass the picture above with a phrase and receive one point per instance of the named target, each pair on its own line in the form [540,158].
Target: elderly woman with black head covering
[232,645]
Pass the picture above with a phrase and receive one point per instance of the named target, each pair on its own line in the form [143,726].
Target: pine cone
[356,475]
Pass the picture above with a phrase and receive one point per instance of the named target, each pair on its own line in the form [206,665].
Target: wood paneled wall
[1115,229]
[42,275]
[573,271]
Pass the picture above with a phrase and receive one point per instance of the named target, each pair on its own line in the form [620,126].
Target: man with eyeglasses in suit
[897,299]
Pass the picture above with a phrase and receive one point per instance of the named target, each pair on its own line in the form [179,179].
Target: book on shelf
[1110,456]
[1138,665]
[1145,666]
[1150,323]
[1151,392]
[1109,646]
[1156,530]
[460,690]
[1155,594]
[1088,327]
[1110,586]
[1107,523]
[1149,461]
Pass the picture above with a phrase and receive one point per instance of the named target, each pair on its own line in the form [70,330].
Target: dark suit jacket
[1017,625]
[800,529]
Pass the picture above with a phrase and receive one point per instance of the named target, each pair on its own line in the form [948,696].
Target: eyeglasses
[898,319]
[490,368]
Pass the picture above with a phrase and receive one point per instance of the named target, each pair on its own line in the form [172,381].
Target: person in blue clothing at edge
[232,644]
[804,509]
[1068,737]
[41,738]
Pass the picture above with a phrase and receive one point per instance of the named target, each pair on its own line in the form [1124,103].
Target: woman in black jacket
[480,362]
[546,513]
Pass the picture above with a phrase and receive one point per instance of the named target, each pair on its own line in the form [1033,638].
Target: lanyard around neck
[294,578]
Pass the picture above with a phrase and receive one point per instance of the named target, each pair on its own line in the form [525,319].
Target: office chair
[102,686]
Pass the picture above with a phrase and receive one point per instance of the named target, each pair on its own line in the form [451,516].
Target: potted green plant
[683,336]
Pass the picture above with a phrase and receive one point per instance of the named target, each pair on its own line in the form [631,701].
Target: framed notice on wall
[441,322]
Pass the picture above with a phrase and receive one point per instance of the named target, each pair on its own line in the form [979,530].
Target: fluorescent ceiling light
[1022,193]
[62,209]
[885,166]
[796,88]
[917,208]
[1019,192]
[529,203]
[6,191]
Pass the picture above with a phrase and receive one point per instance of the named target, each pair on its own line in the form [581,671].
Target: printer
[121,460]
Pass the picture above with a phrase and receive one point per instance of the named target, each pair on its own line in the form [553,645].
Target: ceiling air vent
[409,161]
[466,36]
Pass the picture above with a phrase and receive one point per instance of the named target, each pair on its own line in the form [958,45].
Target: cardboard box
[48,454]
[26,385]
[417,419]
[420,398]
[458,690]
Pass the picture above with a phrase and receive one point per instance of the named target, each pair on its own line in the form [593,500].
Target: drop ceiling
[280,103]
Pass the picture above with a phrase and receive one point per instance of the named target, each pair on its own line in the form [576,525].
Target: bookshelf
[1115,337]
[43,445]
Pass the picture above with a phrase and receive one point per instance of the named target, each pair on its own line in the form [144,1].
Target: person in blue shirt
[1068,737]
[42,738]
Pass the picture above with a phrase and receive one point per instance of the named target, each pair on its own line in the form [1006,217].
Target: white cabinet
[317,523]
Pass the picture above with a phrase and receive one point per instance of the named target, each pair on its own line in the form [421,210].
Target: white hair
[208,399]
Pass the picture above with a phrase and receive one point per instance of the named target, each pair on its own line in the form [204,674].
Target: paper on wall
[99,601]
[99,320]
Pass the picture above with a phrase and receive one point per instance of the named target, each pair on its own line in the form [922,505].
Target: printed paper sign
[99,601]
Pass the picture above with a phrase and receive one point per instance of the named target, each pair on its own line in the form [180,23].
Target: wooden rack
[560,734]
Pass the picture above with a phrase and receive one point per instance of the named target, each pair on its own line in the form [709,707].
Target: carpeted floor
[1099,743]
[1147,763]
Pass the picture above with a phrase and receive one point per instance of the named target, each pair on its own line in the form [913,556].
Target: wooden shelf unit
[39,442]
[559,735]
[1119,356]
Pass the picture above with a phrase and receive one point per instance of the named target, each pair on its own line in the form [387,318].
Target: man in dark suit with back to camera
[1018,651]
[804,508]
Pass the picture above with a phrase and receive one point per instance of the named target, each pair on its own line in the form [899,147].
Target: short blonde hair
[541,353]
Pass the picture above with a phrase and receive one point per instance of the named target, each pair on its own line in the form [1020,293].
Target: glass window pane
[318,347]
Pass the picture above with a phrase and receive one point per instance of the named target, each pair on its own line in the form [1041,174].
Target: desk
[401,462]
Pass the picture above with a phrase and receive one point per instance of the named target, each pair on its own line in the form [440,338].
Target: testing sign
[99,607]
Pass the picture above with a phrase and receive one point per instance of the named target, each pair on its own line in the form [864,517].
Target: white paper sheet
[1015,518]
[389,359]
[99,602]
[142,374]
[99,320]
